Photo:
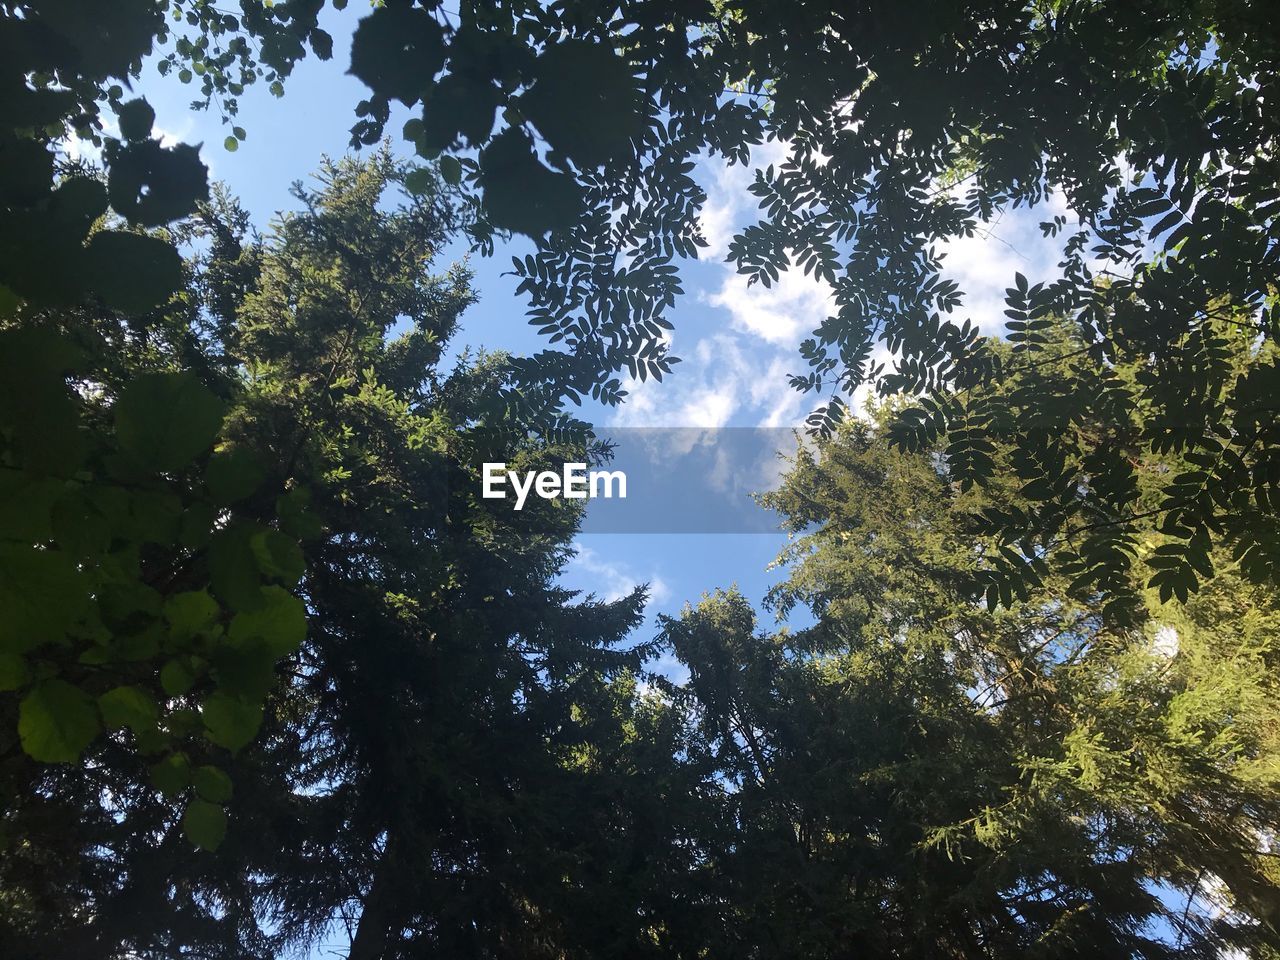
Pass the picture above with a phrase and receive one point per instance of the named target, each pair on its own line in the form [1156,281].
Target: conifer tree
[457,758]
[921,773]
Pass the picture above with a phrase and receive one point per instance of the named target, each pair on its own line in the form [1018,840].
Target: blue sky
[737,343]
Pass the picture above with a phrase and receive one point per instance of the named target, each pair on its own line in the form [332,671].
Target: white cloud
[737,374]
[668,666]
[612,581]
[779,314]
[783,313]
[726,378]
[985,263]
[728,202]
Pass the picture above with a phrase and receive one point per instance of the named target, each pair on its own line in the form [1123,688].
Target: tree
[138,592]
[457,757]
[903,129]
[919,775]
[579,124]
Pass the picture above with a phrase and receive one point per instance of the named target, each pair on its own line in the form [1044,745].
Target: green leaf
[295,517]
[451,170]
[26,505]
[128,605]
[129,707]
[245,669]
[151,185]
[520,193]
[233,474]
[131,272]
[230,722]
[43,596]
[165,420]
[156,516]
[135,118]
[396,51]
[584,102]
[197,525]
[278,556]
[56,721]
[231,144]
[233,567]
[35,403]
[190,612]
[458,105]
[172,775]
[13,672]
[282,623]
[211,784]
[176,678]
[80,527]
[419,181]
[205,824]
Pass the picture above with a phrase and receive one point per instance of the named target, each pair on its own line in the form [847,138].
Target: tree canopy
[579,124]
[428,754]
[252,602]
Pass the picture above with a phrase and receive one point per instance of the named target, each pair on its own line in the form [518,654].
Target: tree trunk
[379,911]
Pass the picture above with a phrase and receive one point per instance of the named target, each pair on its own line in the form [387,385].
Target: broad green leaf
[77,203]
[230,722]
[9,302]
[278,556]
[211,784]
[205,824]
[245,669]
[520,193]
[56,721]
[584,102]
[164,420]
[233,474]
[36,404]
[105,46]
[132,273]
[13,671]
[296,518]
[233,567]
[128,605]
[172,775]
[282,622]
[151,185]
[43,596]
[458,105]
[451,170]
[419,181]
[156,515]
[79,526]
[176,678]
[197,525]
[396,51]
[190,612]
[129,707]
[135,118]
[26,505]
